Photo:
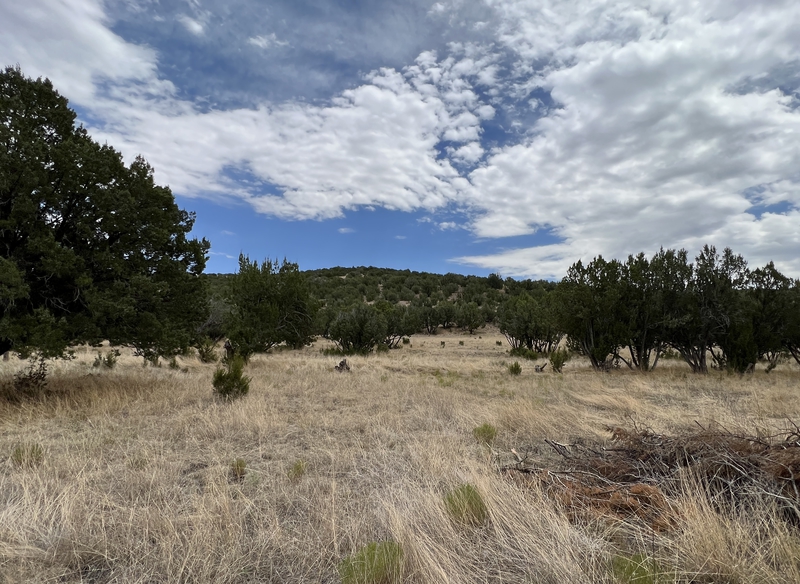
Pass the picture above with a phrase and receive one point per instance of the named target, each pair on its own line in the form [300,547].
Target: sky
[469,136]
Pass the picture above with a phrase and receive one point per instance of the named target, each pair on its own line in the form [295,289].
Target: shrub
[461,343]
[499,343]
[109,361]
[376,563]
[406,340]
[465,505]
[32,380]
[207,351]
[515,368]
[230,381]
[238,469]
[485,434]
[558,359]
[27,455]
[173,363]
[525,353]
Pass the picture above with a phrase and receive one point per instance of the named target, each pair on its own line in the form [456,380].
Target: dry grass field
[129,474]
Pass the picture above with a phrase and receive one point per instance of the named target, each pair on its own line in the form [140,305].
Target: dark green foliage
[713,312]
[229,381]
[588,306]
[466,506]
[515,368]
[31,381]
[772,312]
[791,330]
[359,329]
[446,312]
[376,563]
[207,351]
[528,322]
[90,248]
[401,321]
[429,315]
[269,304]
[525,353]
[558,359]
[495,281]
[108,361]
[648,304]
[469,317]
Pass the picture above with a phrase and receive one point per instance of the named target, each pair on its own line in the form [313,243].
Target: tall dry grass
[136,481]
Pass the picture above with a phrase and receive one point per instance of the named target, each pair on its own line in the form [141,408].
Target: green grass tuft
[376,563]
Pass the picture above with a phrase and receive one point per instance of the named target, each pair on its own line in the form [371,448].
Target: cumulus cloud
[69,42]
[626,126]
[647,145]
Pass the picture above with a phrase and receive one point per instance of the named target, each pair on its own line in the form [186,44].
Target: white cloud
[69,42]
[469,153]
[193,26]
[448,225]
[265,42]
[226,232]
[648,146]
[660,123]
[400,237]
[346,230]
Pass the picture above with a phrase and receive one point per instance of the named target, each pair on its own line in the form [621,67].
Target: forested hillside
[633,312]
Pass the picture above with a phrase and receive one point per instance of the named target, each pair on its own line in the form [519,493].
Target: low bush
[207,351]
[229,381]
[108,361]
[525,353]
[32,380]
[515,368]
[558,359]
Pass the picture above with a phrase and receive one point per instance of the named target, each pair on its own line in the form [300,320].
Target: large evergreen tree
[90,248]
[270,304]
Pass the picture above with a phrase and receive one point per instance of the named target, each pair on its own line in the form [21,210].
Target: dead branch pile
[638,471]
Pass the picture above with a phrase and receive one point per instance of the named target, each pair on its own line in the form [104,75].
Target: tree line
[91,249]
[713,311]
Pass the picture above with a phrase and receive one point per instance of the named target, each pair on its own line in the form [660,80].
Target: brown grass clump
[137,481]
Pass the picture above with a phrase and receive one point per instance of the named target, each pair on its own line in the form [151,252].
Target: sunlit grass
[139,480]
